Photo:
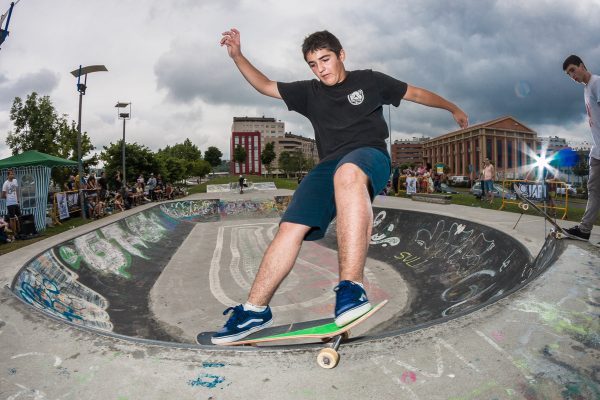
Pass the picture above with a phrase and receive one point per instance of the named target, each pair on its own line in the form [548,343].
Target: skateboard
[322,330]
[558,232]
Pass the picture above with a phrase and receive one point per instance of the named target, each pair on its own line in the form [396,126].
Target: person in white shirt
[10,190]
[576,69]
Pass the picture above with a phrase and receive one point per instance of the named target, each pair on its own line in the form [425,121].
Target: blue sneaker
[242,323]
[351,302]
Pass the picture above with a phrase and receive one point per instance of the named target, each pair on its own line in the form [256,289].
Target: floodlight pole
[124,180]
[124,116]
[81,87]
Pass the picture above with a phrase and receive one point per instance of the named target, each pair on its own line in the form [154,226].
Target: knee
[292,231]
[349,174]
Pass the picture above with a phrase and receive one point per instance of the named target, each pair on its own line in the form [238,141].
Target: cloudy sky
[492,58]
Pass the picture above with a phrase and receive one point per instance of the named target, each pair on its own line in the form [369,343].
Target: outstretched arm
[257,79]
[427,98]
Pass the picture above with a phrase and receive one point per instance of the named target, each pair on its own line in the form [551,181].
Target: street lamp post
[124,114]
[81,87]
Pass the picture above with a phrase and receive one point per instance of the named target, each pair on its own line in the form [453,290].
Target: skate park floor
[541,341]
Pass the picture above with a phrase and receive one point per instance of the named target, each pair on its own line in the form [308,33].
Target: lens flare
[542,162]
[522,89]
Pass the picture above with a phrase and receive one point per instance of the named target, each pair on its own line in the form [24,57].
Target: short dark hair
[321,40]
[572,59]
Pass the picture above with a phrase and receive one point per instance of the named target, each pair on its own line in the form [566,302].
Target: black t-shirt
[102,183]
[348,115]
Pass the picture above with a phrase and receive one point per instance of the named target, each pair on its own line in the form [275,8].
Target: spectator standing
[489,175]
[396,179]
[70,184]
[10,190]
[118,181]
[576,69]
[151,185]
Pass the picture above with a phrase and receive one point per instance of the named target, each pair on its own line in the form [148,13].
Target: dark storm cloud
[491,58]
[43,82]
[188,73]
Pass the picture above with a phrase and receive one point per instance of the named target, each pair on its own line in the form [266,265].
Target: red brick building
[505,141]
[408,151]
[251,142]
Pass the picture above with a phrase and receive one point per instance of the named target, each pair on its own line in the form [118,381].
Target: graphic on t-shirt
[357,97]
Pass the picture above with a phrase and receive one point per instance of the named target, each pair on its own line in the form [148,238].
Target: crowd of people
[101,198]
[422,179]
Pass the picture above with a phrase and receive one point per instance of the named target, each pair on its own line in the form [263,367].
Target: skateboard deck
[316,331]
[558,232]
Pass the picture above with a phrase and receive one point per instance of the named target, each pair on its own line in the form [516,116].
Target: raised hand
[231,39]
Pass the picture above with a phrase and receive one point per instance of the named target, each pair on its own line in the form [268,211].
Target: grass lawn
[50,231]
[466,199]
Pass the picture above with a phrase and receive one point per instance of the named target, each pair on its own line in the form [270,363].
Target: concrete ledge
[432,198]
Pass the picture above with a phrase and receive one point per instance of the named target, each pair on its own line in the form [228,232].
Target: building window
[509,153]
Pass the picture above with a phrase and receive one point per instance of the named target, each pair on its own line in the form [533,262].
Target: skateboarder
[346,111]
[576,69]
[241,184]
[10,193]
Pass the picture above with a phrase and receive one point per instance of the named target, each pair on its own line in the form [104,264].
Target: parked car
[560,189]
[499,191]
[447,189]
[458,179]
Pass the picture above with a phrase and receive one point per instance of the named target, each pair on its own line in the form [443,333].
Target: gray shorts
[313,203]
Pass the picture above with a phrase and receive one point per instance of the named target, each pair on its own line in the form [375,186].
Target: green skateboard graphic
[322,330]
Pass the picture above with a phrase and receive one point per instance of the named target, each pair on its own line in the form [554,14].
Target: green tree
[267,156]
[35,123]
[186,151]
[173,169]
[140,160]
[582,169]
[291,162]
[37,126]
[239,155]
[213,156]
[201,168]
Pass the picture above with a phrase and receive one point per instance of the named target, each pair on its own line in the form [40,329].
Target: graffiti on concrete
[46,285]
[215,210]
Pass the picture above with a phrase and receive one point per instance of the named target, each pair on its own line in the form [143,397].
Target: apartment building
[409,151]
[253,133]
[268,127]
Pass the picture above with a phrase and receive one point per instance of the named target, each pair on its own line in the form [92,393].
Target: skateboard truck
[329,357]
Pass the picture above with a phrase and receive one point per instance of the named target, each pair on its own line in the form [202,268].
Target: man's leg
[354,220]
[276,264]
[359,175]
[278,261]
[593,203]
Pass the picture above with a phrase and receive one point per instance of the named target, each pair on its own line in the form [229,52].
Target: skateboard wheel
[524,206]
[328,358]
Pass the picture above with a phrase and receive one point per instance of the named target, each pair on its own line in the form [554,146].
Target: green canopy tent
[32,170]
